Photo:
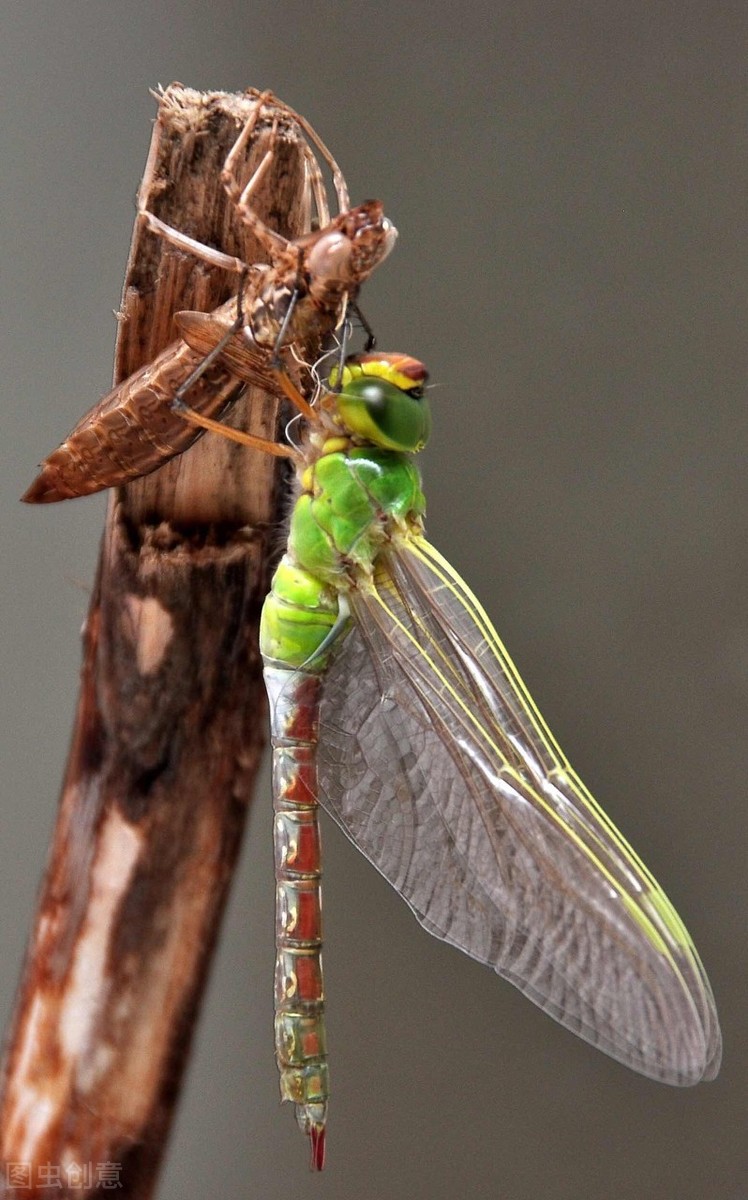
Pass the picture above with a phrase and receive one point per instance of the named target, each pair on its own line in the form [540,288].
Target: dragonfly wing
[436,763]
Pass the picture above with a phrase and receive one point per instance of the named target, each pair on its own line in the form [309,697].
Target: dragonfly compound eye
[385,414]
[383,401]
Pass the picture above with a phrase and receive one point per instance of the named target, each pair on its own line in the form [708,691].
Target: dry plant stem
[170,722]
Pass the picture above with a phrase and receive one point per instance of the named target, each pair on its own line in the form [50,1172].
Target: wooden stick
[170,723]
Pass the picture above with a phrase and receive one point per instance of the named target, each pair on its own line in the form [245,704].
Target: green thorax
[352,504]
[356,500]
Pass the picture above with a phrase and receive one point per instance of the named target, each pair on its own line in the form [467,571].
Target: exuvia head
[382,400]
[341,256]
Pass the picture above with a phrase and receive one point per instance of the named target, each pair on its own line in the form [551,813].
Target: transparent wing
[435,761]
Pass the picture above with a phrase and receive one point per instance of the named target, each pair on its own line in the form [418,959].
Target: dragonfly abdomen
[300,1046]
[298,617]
[133,430]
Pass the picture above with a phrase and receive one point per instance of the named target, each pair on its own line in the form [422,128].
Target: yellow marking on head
[401,370]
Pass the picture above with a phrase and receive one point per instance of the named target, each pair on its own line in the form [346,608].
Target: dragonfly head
[382,399]
[344,254]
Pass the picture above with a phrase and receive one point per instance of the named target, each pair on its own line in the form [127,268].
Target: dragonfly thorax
[353,503]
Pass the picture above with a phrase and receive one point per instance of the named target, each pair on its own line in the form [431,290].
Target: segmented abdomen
[134,429]
[300,1048]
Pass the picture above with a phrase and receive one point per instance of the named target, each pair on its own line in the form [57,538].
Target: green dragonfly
[394,704]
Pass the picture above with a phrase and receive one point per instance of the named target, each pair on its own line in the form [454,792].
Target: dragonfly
[300,296]
[395,706]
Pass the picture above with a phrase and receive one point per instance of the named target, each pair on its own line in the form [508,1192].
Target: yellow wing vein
[642,917]
[449,578]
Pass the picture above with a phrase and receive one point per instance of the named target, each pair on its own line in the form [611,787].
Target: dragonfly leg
[239,196]
[338,179]
[277,449]
[276,360]
[371,340]
[289,389]
[270,241]
[215,258]
[316,185]
[338,355]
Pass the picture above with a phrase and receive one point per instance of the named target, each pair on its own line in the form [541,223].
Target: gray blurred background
[567,179]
